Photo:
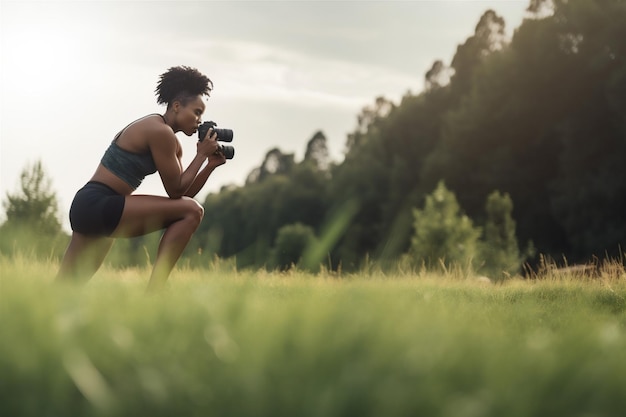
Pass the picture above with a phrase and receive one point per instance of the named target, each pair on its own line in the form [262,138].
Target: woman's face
[189,116]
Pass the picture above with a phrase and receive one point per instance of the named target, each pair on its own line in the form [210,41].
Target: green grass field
[226,343]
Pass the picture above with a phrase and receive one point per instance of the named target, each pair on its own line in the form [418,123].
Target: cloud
[258,71]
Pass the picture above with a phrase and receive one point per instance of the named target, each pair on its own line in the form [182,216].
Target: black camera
[223,135]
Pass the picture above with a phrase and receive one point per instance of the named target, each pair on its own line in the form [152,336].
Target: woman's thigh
[144,214]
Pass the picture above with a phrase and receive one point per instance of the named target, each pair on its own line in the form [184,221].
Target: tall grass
[232,343]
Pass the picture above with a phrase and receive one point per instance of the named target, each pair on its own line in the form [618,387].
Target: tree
[275,163]
[489,36]
[499,248]
[291,242]
[589,193]
[244,222]
[442,233]
[367,121]
[317,151]
[35,204]
[438,76]
[32,213]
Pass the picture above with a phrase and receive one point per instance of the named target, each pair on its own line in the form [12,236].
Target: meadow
[222,342]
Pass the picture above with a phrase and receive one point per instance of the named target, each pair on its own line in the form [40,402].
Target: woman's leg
[144,214]
[83,257]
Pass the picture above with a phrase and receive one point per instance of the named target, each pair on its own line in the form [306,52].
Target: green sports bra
[131,167]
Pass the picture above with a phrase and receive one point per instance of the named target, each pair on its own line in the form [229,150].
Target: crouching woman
[106,208]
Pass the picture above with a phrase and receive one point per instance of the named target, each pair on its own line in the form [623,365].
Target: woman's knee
[193,209]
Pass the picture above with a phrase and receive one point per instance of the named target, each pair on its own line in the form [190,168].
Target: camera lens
[228,151]
[224,135]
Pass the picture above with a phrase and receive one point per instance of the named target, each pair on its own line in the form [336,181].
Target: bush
[291,242]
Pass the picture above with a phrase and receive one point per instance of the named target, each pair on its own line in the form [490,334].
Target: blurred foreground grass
[226,343]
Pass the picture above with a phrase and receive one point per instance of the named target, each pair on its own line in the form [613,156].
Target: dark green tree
[276,163]
[489,36]
[317,152]
[32,216]
[292,241]
[499,249]
[362,178]
[438,76]
[243,222]
[35,203]
[442,233]
[508,131]
[588,196]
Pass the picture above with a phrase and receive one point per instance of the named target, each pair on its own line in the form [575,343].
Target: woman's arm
[167,155]
[202,177]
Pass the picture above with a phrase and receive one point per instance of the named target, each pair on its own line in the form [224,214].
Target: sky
[74,73]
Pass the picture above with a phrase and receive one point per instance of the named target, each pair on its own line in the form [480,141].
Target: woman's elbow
[175,194]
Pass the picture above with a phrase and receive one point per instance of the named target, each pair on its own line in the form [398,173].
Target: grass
[220,342]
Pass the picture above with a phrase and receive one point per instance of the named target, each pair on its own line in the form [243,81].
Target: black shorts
[96,209]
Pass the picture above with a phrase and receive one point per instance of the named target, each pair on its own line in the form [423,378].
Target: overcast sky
[75,73]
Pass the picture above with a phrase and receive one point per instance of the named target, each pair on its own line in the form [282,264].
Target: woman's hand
[217,159]
[209,145]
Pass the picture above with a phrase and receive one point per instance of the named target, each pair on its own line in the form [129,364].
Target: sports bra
[131,167]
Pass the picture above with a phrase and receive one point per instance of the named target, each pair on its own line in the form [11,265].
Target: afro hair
[180,83]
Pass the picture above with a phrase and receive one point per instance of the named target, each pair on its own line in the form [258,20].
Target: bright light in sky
[75,73]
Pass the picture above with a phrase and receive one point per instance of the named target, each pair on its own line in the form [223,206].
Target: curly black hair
[182,83]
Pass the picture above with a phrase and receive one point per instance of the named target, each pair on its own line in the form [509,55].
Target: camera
[223,135]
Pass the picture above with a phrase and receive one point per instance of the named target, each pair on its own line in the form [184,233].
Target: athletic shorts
[96,209]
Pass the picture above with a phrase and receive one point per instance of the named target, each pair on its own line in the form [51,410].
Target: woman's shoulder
[158,134]
[152,119]
[144,132]
[153,125]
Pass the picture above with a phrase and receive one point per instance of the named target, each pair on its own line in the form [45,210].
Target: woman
[105,207]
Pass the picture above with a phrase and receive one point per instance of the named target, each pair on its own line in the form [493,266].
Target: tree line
[515,148]
[540,117]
